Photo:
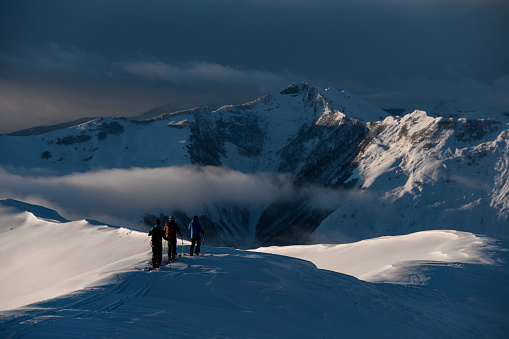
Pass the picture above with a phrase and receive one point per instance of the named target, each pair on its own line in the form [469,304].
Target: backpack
[157,234]
[170,229]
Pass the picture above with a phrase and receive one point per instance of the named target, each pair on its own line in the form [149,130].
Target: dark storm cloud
[64,59]
[64,84]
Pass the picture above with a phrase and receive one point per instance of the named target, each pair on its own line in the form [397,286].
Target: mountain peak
[296,88]
[339,101]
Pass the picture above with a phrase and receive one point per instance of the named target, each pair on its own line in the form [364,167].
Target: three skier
[170,231]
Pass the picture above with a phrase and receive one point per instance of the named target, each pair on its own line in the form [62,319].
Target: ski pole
[182,239]
[169,255]
[162,249]
[203,244]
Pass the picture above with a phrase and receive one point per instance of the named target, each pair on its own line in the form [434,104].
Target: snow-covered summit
[335,101]
[355,107]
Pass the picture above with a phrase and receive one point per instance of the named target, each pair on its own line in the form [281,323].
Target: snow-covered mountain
[356,171]
[421,172]
[257,136]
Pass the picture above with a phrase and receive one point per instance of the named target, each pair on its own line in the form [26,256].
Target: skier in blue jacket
[196,231]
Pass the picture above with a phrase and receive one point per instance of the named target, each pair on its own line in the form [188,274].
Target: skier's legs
[155,256]
[198,243]
[172,244]
[193,240]
[158,256]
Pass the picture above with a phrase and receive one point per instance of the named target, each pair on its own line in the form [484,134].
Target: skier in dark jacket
[171,229]
[158,235]
[196,231]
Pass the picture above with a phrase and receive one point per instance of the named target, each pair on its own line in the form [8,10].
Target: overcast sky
[61,60]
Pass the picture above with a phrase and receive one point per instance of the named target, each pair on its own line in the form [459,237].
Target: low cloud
[127,194]
[199,73]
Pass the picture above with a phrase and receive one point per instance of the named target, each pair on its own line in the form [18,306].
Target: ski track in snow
[242,295]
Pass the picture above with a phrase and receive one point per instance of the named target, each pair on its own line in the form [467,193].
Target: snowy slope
[238,294]
[101,143]
[422,173]
[45,258]
[394,259]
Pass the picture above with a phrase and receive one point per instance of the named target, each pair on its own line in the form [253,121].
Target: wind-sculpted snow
[400,258]
[38,211]
[44,259]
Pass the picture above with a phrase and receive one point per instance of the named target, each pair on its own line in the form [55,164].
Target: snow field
[379,259]
[83,278]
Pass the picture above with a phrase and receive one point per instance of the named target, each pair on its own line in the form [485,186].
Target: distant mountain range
[398,174]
